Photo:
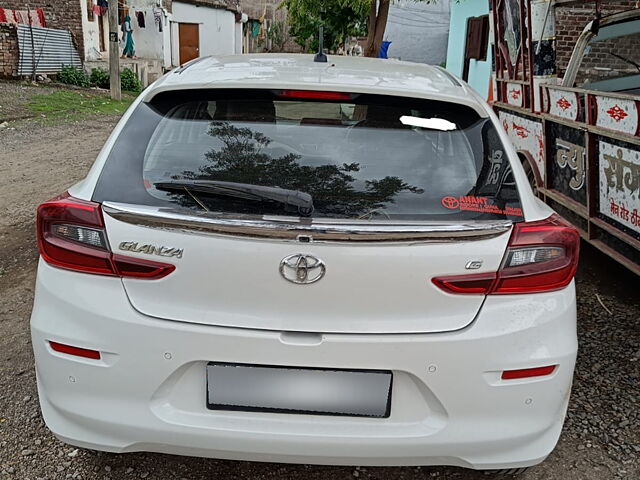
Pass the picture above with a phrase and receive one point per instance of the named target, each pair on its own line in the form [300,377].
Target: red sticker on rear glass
[471,203]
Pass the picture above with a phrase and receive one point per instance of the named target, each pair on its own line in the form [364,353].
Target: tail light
[71,235]
[542,256]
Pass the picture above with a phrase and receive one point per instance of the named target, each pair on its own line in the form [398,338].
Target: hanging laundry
[6,16]
[40,14]
[140,16]
[255,28]
[35,18]
[23,16]
[103,6]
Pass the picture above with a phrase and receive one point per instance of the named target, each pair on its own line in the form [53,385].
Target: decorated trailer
[578,135]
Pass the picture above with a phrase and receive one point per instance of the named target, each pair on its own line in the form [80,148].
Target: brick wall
[8,50]
[570,22]
[60,14]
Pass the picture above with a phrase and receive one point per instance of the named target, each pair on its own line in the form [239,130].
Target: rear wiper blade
[294,198]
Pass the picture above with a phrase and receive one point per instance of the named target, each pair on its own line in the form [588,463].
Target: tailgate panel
[367,288]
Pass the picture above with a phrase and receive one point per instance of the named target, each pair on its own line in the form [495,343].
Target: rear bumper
[449,405]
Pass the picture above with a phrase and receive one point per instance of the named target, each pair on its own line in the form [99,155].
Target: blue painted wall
[479,72]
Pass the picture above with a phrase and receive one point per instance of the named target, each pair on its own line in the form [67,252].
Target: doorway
[189,41]
[101,41]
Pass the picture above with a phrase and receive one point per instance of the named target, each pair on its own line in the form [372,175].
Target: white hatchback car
[280,260]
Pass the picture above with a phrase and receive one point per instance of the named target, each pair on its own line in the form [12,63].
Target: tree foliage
[341,19]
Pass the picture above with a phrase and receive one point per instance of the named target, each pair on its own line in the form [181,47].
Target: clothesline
[105,4]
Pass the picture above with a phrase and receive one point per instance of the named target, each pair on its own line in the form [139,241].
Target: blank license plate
[363,393]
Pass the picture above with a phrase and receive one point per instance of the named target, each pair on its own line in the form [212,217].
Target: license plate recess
[312,391]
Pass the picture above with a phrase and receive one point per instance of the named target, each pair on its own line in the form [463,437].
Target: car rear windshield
[311,154]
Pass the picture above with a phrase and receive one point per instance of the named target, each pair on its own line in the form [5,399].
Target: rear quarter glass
[366,157]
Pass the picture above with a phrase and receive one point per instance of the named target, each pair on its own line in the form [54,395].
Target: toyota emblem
[302,269]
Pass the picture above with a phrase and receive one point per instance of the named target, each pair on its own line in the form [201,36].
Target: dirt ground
[601,438]
[16,95]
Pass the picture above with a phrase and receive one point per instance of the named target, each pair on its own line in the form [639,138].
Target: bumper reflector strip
[77,351]
[528,372]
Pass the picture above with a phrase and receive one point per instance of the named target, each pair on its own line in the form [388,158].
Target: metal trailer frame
[581,147]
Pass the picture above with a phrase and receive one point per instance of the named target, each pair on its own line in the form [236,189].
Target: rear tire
[506,472]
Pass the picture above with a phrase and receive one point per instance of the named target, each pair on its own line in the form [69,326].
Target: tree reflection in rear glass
[242,159]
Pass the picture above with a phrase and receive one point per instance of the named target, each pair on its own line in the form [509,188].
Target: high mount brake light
[71,235]
[542,256]
[314,95]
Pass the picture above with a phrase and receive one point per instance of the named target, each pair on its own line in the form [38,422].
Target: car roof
[299,71]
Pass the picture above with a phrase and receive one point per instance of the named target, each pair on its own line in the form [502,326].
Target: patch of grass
[72,105]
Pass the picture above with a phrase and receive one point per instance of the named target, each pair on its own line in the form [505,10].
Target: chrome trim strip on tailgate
[290,228]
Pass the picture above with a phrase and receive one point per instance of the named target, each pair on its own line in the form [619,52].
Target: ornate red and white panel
[541,95]
[525,134]
[563,104]
[620,183]
[544,99]
[515,94]
[620,115]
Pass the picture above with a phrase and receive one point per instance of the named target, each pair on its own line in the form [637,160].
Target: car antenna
[320,56]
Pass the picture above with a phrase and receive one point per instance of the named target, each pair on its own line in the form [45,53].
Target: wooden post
[33,47]
[114,51]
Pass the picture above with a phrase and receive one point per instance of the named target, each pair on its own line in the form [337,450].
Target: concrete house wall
[218,31]
[149,41]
